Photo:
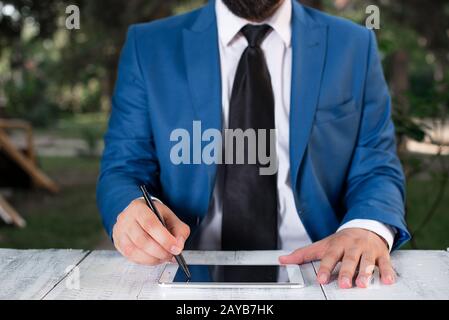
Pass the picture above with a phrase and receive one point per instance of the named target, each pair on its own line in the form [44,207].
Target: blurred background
[55,88]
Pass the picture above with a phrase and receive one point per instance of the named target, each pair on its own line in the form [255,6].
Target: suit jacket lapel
[202,63]
[309,50]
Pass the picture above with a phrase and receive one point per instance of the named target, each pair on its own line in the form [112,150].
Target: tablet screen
[227,273]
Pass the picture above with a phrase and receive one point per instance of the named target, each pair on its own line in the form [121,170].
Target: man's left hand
[352,247]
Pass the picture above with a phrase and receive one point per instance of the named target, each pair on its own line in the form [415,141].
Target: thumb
[303,255]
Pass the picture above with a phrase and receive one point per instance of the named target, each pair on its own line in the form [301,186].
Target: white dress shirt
[278,54]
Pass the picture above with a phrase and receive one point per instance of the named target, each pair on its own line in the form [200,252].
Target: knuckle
[147,223]
[351,259]
[157,252]
[137,203]
[384,261]
[309,256]
[161,207]
[345,274]
[385,267]
[331,255]
[166,255]
[167,243]
[369,257]
[121,218]
[140,240]
[115,232]
[367,270]
[153,262]
[186,229]
[128,250]
[324,269]
[344,237]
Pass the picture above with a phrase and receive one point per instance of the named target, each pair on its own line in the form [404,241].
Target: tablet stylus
[180,259]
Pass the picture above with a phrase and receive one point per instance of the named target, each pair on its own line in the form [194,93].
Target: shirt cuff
[385,231]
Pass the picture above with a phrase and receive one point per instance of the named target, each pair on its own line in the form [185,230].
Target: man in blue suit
[270,66]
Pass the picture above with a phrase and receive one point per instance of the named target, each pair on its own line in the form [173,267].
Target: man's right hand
[140,236]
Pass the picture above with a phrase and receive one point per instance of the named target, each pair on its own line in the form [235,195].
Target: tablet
[225,276]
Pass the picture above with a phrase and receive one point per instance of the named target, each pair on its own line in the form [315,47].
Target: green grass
[70,219]
[421,195]
[67,220]
[77,126]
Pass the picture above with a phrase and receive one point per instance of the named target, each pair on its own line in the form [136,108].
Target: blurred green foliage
[47,70]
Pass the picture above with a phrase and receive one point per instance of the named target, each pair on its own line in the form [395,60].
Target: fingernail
[345,282]
[323,278]
[364,281]
[175,250]
[390,279]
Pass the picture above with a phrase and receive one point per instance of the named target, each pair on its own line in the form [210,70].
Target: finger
[304,255]
[144,242]
[176,226]
[349,264]
[151,224]
[134,254]
[328,263]
[387,273]
[366,269]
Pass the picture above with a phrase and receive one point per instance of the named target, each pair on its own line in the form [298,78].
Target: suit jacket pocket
[327,114]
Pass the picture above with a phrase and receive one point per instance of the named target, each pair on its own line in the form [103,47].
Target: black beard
[253,10]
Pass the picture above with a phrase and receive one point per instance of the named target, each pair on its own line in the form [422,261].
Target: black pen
[179,258]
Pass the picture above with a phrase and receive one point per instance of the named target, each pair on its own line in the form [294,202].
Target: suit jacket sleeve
[375,183]
[129,158]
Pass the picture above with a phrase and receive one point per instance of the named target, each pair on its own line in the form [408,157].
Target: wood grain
[106,275]
[37,274]
[31,274]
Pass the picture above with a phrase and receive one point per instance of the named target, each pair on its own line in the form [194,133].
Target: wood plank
[10,215]
[31,274]
[39,177]
[35,274]
[107,275]
[422,275]
[25,126]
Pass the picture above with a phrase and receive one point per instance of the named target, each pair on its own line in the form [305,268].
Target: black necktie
[249,198]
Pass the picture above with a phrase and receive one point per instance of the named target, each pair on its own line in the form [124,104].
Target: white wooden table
[53,274]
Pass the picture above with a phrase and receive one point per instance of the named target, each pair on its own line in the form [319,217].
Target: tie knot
[255,34]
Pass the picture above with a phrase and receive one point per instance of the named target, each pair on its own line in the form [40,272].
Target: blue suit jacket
[343,157]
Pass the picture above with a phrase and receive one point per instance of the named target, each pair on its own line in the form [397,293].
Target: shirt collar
[229,24]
